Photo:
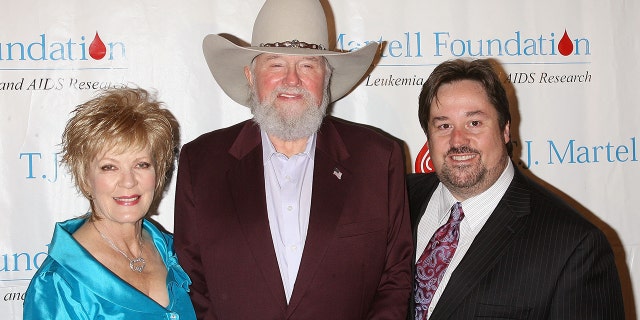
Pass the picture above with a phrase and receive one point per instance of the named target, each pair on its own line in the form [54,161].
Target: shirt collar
[88,272]
[268,149]
[477,208]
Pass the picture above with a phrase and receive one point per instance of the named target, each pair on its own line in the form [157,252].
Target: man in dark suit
[511,249]
[293,214]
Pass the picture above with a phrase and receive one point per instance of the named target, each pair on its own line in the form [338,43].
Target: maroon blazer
[356,262]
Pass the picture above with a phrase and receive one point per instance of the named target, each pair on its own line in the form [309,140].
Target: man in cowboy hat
[302,216]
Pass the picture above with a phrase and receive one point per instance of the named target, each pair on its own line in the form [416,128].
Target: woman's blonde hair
[120,119]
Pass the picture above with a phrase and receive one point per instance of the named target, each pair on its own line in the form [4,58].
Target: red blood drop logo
[97,49]
[565,47]
[423,162]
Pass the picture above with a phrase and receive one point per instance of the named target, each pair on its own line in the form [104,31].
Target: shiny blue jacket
[71,284]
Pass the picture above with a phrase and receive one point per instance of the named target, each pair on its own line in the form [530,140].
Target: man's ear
[247,74]
[507,132]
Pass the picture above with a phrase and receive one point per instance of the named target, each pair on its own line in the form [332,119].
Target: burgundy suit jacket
[356,262]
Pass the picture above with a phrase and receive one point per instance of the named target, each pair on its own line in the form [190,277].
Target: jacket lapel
[487,248]
[420,187]
[246,183]
[326,206]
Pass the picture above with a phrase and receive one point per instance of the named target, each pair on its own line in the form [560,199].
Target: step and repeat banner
[570,69]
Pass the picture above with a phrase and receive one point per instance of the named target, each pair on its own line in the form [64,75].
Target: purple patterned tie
[434,261]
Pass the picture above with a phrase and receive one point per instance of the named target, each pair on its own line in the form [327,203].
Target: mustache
[462,149]
[291,90]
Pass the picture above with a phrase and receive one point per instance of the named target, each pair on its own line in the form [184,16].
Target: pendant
[137,264]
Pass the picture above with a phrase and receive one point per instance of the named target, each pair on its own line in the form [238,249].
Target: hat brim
[227,60]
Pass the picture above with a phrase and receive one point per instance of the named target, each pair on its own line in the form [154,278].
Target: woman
[112,263]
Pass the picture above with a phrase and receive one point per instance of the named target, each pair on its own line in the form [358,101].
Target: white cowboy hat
[292,27]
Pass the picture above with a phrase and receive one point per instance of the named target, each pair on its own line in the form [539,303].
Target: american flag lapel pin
[337,173]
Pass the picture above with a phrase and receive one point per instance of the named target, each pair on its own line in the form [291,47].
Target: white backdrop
[575,105]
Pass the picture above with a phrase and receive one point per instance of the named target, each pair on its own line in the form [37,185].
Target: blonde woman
[112,263]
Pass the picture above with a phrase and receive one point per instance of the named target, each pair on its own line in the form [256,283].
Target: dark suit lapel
[246,183]
[420,187]
[487,248]
[326,206]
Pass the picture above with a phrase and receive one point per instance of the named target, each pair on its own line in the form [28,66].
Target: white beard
[289,122]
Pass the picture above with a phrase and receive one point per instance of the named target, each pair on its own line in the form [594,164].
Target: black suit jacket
[535,258]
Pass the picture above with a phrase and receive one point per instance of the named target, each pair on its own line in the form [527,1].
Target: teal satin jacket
[71,284]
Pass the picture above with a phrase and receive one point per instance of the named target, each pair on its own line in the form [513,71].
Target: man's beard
[289,122]
[468,180]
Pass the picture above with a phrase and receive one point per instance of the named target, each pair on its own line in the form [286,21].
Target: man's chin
[460,176]
[291,106]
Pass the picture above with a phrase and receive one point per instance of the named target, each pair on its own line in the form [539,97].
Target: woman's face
[122,185]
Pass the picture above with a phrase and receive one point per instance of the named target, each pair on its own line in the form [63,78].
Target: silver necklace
[136,264]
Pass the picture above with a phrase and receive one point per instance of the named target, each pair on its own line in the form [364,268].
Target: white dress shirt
[288,184]
[476,209]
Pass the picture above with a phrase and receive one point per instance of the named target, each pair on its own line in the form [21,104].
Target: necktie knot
[456,212]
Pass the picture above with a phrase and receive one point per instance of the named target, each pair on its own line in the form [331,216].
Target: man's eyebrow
[439,118]
[475,113]
[467,114]
[312,58]
[272,56]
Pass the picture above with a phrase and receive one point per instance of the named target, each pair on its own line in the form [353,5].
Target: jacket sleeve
[49,296]
[186,243]
[392,297]
[589,286]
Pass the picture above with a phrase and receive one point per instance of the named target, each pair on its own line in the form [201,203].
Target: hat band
[294,44]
